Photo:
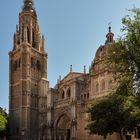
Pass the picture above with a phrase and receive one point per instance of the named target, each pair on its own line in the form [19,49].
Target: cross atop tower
[109,29]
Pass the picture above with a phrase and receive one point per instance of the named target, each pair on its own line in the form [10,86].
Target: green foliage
[3,123]
[123,56]
[132,38]
[120,110]
[116,112]
[107,114]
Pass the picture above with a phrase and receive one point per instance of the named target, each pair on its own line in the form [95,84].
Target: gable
[71,75]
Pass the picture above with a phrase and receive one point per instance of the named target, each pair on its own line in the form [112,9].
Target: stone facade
[37,111]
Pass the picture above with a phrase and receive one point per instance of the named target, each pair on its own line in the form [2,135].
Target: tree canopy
[119,111]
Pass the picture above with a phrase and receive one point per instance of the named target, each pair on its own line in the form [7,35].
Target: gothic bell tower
[27,75]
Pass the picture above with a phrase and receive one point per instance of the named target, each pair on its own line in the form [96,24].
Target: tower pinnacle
[28,5]
[28,1]
[109,36]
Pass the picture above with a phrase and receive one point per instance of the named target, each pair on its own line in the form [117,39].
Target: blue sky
[73,30]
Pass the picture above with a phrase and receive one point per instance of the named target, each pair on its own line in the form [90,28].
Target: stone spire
[43,42]
[70,68]
[84,69]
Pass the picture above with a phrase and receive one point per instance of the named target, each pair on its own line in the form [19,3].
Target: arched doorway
[63,128]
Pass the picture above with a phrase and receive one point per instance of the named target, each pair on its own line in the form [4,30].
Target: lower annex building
[38,112]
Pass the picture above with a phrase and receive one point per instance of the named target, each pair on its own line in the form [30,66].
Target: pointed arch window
[63,94]
[88,96]
[38,65]
[32,63]
[68,93]
[19,62]
[22,33]
[81,97]
[33,38]
[28,35]
[84,96]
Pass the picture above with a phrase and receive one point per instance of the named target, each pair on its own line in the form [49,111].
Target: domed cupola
[101,52]
[109,36]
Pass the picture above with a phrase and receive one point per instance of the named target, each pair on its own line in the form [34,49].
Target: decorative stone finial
[84,69]
[59,77]
[43,42]
[16,28]
[70,68]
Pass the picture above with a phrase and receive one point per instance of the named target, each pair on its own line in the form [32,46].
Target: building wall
[39,112]
[83,88]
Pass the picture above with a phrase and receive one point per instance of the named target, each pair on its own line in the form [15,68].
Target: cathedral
[38,112]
